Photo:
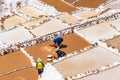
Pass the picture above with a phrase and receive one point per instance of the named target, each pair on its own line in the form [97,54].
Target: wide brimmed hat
[39,59]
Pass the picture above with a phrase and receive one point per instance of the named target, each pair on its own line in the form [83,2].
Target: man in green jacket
[39,66]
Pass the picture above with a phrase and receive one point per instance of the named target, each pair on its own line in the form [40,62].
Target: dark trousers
[40,71]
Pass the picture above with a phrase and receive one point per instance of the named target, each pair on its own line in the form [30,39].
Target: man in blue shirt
[57,41]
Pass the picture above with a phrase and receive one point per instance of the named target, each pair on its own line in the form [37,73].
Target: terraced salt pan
[74,42]
[48,27]
[89,3]
[32,23]
[62,6]
[112,74]
[31,11]
[114,42]
[18,34]
[116,24]
[12,21]
[85,14]
[106,12]
[113,5]
[12,61]
[68,18]
[42,50]
[85,61]
[98,32]
[51,73]
[25,74]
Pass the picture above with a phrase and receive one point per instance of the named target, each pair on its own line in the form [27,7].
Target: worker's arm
[42,64]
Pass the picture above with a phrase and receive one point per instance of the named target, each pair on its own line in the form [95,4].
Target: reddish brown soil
[89,3]
[41,50]
[70,1]
[26,74]
[72,41]
[60,6]
[12,61]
